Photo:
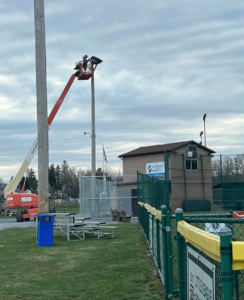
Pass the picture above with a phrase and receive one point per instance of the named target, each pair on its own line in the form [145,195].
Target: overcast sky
[165,64]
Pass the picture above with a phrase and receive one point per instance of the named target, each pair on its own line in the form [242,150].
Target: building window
[191,164]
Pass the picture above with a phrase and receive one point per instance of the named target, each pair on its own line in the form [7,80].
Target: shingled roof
[161,148]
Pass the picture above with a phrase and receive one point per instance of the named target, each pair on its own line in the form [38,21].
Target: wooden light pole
[41,98]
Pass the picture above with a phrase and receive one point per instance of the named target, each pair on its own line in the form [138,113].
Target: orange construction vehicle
[26,203]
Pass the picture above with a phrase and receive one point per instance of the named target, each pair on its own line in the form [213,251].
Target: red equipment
[27,202]
[238,214]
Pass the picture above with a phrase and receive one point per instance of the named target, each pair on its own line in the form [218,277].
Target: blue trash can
[45,230]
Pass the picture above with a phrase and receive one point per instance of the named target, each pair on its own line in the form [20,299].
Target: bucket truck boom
[27,204]
[13,184]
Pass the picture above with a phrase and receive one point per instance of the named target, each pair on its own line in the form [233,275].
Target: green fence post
[236,273]
[165,260]
[141,217]
[226,263]
[139,214]
[140,210]
[170,255]
[147,224]
[179,217]
[143,220]
[158,243]
[148,228]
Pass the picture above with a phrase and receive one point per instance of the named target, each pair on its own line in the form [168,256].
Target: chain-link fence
[217,186]
[206,183]
[228,181]
[97,197]
[100,195]
[160,228]
[214,224]
[152,191]
[189,289]
[153,230]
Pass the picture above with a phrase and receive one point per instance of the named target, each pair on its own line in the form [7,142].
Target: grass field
[104,269]
[69,207]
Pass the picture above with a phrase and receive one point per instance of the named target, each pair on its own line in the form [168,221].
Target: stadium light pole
[93,135]
[204,117]
[94,61]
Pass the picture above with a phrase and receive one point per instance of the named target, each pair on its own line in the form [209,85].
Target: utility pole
[41,99]
[93,134]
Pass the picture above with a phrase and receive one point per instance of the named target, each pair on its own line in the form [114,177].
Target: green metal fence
[159,240]
[170,251]
[152,191]
[227,282]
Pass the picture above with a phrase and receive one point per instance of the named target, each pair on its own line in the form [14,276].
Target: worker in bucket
[85,62]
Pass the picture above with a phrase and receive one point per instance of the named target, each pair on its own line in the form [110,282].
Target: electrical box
[191,151]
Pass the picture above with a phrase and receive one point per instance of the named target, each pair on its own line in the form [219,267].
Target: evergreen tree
[65,177]
[32,180]
[74,183]
[58,178]
[52,177]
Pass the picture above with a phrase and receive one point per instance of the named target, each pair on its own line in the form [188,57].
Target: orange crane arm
[60,100]
[12,185]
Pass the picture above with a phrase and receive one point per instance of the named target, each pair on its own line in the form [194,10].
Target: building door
[134,202]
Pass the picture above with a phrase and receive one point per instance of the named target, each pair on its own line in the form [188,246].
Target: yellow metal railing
[210,244]
[204,241]
[153,211]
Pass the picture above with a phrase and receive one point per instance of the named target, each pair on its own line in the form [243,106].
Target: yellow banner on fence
[153,211]
[202,240]
[210,244]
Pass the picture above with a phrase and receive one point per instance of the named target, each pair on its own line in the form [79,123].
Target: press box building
[189,172]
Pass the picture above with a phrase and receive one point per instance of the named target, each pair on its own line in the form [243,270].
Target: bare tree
[232,169]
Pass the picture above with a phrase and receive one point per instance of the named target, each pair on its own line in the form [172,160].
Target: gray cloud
[165,65]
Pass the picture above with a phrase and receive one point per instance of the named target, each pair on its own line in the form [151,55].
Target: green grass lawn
[69,207]
[104,269]
[4,217]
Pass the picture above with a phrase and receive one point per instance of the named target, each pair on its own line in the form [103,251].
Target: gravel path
[11,223]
